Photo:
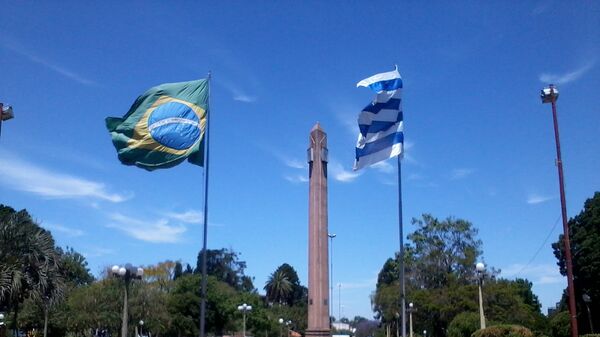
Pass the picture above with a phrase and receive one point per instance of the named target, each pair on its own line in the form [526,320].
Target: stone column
[318,272]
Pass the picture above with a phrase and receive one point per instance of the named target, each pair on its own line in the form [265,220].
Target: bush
[590,335]
[503,331]
[463,325]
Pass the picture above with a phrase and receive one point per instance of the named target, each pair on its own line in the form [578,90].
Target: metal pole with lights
[587,300]
[550,95]
[6,113]
[480,267]
[244,308]
[410,311]
[141,328]
[127,273]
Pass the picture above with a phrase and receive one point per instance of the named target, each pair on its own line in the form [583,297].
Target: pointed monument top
[316,127]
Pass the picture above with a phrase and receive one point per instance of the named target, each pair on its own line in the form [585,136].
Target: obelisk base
[317,333]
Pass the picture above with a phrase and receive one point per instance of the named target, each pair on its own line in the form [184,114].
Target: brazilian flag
[164,126]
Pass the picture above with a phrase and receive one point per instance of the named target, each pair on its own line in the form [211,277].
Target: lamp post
[550,95]
[288,324]
[141,328]
[480,267]
[587,300]
[424,333]
[331,236]
[127,273]
[244,308]
[410,311]
[2,327]
[6,113]
[280,327]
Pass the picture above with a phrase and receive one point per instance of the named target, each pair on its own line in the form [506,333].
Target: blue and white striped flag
[381,128]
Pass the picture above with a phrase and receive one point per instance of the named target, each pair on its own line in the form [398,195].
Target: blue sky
[479,144]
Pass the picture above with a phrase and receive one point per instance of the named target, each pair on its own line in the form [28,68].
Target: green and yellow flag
[163,127]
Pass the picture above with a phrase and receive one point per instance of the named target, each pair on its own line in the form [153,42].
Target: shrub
[560,325]
[503,331]
[463,325]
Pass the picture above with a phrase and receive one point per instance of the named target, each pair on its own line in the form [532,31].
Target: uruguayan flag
[381,128]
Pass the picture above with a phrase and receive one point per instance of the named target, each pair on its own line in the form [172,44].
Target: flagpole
[402,289]
[204,240]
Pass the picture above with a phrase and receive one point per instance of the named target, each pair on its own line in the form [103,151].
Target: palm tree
[28,261]
[278,287]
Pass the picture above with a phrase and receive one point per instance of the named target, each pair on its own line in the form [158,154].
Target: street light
[6,113]
[127,273]
[2,326]
[141,328]
[424,333]
[280,327]
[587,300]
[331,236]
[480,267]
[410,311]
[244,308]
[550,95]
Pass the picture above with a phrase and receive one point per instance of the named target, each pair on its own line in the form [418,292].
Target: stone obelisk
[318,271]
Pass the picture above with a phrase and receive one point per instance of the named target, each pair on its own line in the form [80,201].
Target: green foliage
[504,331]
[444,249]
[560,324]
[283,286]
[464,324]
[584,233]
[224,264]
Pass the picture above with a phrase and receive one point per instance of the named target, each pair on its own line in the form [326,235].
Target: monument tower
[318,272]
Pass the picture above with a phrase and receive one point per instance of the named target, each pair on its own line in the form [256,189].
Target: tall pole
[569,263]
[124,327]
[401,235]
[481,314]
[339,302]
[204,239]
[331,236]
[1,109]
[244,328]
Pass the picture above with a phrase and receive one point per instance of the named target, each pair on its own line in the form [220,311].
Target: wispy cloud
[27,177]
[73,232]
[237,93]
[461,173]
[190,216]
[157,231]
[52,66]
[97,252]
[383,166]
[294,163]
[296,178]
[567,77]
[538,274]
[360,284]
[535,198]
[339,173]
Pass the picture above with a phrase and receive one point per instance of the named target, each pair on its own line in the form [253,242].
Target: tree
[28,261]
[584,233]
[278,287]
[444,250]
[224,264]
[463,325]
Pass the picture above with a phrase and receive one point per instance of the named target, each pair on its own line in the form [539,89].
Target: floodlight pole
[568,260]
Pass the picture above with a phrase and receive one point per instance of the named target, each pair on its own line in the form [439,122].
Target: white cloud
[294,163]
[27,177]
[538,274]
[361,284]
[158,231]
[189,216]
[297,178]
[54,67]
[383,166]
[535,198]
[73,232]
[566,77]
[461,173]
[97,252]
[337,171]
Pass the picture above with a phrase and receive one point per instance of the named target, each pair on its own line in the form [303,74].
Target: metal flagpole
[204,276]
[402,290]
